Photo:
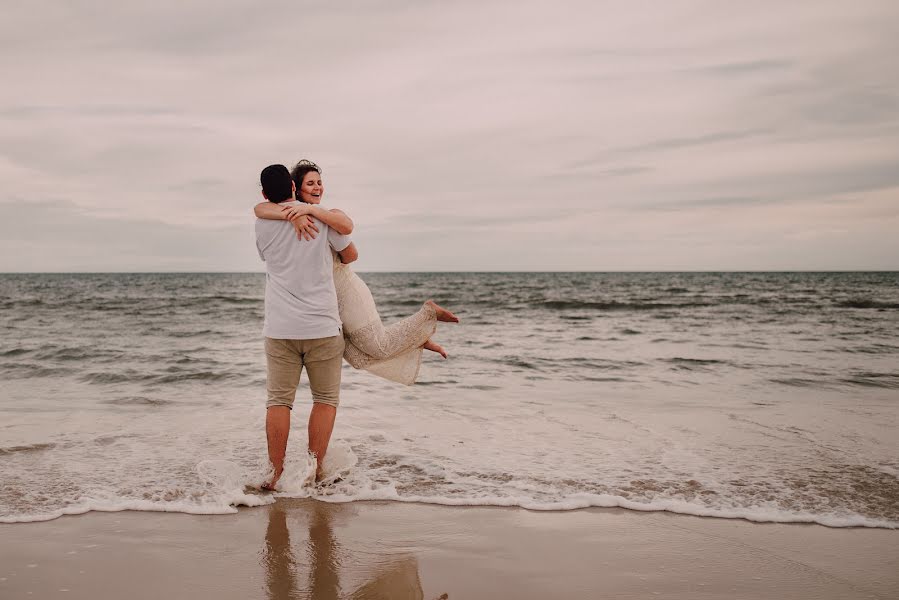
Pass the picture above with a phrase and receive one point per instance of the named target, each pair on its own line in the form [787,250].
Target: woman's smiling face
[312,190]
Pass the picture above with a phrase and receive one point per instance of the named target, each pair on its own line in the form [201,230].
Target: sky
[495,135]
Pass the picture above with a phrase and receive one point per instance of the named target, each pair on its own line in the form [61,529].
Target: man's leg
[284,365]
[321,424]
[323,360]
[277,429]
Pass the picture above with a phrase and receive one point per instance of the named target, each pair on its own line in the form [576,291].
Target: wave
[388,304]
[138,401]
[133,376]
[872,349]
[582,501]
[614,305]
[122,504]
[866,303]
[533,363]
[26,448]
[243,300]
[195,376]
[15,352]
[515,361]
[695,364]
[228,502]
[29,370]
[840,496]
[696,361]
[75,353]
[782,303]
[797,381]
[8,303]
[877,380]
[862,379]
[156,305]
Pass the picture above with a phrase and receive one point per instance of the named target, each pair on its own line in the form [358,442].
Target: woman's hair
[299,172]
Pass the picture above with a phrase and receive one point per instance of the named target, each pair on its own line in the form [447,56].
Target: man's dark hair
[276,183]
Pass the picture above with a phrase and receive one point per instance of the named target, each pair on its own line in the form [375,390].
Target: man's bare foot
[269,486]
[323,482]
[443,314]
[435,347]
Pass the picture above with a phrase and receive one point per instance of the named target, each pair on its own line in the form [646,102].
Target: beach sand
[309,549]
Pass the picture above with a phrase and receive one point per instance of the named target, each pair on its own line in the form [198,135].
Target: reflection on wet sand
[396,580]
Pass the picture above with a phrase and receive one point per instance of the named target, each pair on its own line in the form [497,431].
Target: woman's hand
[298,215]
[305,227]
[295,211]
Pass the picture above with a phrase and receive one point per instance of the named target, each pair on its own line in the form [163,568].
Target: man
[302,326]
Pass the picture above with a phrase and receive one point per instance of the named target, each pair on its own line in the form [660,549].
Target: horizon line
[461,271]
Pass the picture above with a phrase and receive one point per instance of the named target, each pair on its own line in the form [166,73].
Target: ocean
[771,397]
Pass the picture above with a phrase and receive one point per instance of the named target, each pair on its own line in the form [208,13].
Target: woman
[392,352]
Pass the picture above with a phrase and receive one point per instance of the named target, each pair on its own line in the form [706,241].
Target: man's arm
[348,254]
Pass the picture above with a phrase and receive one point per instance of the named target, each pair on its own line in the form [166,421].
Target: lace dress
[392,352]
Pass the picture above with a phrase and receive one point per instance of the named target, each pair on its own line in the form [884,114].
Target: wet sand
[309,549]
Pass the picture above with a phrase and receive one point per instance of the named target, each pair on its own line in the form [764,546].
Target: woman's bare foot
[443,314]
[435,347]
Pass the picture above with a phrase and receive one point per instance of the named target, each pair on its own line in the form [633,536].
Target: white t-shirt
[300,302]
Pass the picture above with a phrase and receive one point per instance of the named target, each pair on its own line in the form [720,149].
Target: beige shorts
[323,359]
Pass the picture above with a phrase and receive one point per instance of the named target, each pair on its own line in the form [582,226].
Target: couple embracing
[318,312]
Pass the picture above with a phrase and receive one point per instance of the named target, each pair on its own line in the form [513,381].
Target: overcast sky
[488,135]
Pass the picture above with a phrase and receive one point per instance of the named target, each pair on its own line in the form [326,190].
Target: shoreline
[886,526]
[382,549]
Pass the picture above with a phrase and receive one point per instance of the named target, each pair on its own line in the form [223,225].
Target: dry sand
[308,549]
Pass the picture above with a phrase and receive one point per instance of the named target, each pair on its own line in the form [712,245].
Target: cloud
[63,236]
[691,141]
[808,188]
[458,136]
[752,67]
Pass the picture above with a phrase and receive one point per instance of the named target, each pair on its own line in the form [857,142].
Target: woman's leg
[382,343]
[402,368]
[356,357]
[443,314]
[435,347]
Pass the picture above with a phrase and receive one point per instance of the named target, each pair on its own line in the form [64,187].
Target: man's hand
[305,227]
[349,254]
